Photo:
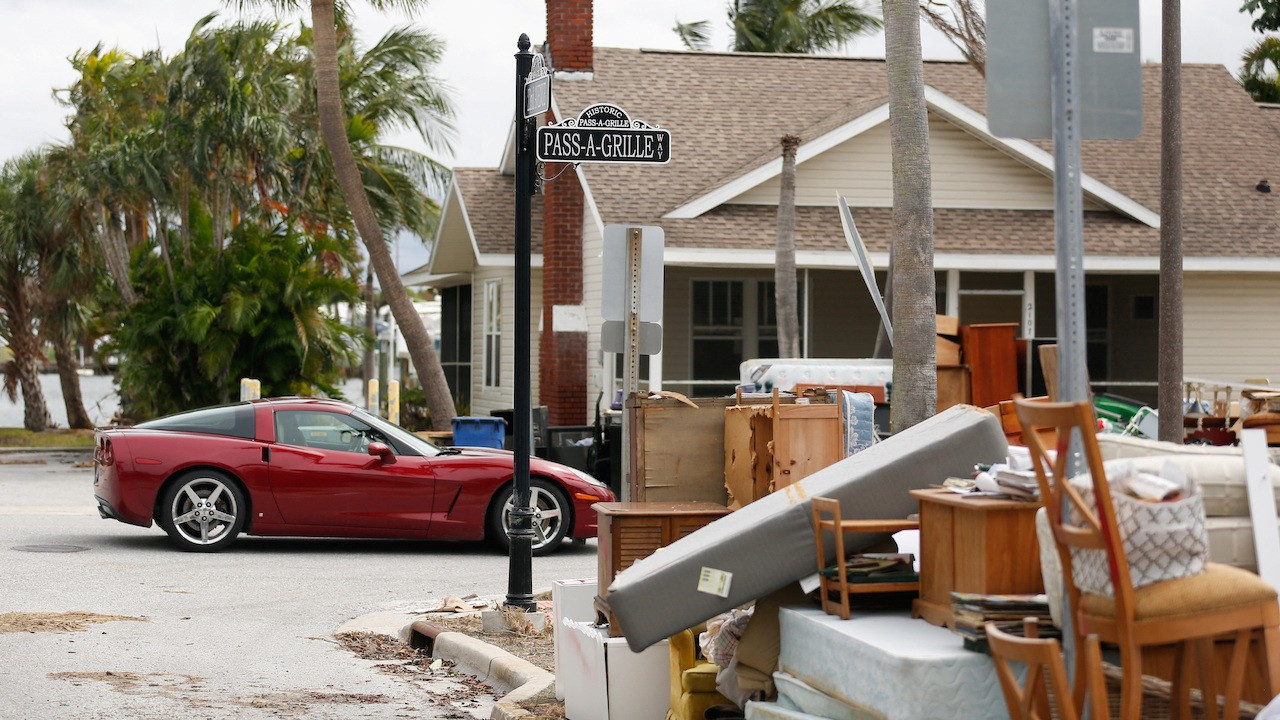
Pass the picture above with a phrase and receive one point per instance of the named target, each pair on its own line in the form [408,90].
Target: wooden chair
[1187,612]
[1044,670]
[826,517]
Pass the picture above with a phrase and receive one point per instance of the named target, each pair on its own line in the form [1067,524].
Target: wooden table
[979,545]
[630,531]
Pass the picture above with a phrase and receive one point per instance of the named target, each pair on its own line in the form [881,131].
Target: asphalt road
[246,633]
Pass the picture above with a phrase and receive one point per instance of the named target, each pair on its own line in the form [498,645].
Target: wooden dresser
[631,531]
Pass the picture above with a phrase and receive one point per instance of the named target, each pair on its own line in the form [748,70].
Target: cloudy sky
[38,36]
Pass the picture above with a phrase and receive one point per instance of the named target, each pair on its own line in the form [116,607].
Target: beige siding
[454,253]
[486,399]
[1229,322]
[592,265]
[967,173]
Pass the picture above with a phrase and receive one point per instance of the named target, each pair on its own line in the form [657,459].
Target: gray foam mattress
[769,543]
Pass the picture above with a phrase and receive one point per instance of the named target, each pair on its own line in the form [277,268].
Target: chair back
[1097,529]
[1045,682]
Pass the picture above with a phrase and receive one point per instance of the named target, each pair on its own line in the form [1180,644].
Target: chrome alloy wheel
[204,510]
[548,516]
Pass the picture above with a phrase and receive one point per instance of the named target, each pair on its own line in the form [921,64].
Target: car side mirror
[380,450]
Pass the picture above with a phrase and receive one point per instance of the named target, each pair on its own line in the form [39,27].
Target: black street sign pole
[520,566]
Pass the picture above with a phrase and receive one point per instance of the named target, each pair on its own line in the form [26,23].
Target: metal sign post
[520,564]
[631,307]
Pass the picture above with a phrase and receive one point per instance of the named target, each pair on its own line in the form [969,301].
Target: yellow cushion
[1218,588]
[699,678]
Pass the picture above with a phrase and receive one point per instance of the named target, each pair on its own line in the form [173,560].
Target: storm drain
[49,548]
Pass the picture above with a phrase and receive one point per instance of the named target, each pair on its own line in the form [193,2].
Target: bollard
[371,403]
[393,402]
[255,389]
[246,389]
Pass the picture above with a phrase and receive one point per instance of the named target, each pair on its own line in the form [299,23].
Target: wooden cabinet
[979,545]
[631,531]
[991,353]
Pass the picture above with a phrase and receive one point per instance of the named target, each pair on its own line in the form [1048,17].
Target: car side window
[325,431]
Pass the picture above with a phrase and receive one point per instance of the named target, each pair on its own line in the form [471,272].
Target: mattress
[1219,475]
[890,664]
[769,543]
[1231,542]
[776,711]
[767,374]
[796,694]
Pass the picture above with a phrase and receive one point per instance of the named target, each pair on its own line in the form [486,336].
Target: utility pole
[520,565]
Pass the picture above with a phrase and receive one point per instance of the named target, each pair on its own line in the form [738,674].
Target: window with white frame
[492,333]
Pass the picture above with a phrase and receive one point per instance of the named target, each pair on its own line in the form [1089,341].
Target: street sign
[616,273]
[537,89]
[1109,69]
[613,337]
[603,133]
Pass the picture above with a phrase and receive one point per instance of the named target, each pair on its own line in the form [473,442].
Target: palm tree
[24,222]
[785,26]
[915,381]
[1260,73]
[784,267]
[334,127]
[964,23]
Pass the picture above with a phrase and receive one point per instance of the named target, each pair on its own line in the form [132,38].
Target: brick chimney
[569,34]
[562,367]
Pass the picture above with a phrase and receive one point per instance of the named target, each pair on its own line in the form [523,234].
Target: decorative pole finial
[523,43]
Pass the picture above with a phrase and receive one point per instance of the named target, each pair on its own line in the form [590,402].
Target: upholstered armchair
[693,679]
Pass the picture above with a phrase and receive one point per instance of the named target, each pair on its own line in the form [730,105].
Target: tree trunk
[915,379]
[162,235]
[116,256]
[333,127]
[370,371]
[1169,372]
[26,352]
[185,215]
[64,354]
[784,269]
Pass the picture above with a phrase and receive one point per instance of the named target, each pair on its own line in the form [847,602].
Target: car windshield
[398,433]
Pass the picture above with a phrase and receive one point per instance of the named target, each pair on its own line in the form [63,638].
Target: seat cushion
[1218,588]
[699,678]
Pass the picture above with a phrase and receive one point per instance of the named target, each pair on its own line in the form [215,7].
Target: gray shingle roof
[727,111]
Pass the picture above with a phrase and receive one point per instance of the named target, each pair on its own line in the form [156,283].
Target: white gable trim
[976,124]
[454,192]
[843,260]
[952,110]
[773,168]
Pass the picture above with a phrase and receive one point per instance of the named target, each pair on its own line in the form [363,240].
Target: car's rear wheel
[551,516]
[203,511]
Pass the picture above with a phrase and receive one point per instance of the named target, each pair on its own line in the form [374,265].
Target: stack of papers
[972,611]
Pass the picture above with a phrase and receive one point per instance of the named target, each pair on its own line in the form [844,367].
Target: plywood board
[748,462]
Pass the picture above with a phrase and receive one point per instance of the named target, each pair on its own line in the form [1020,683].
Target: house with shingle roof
[717,203]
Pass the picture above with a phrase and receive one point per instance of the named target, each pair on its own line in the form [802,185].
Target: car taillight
[107,454]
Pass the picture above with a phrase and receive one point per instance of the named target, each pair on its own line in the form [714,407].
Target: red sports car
[323,468]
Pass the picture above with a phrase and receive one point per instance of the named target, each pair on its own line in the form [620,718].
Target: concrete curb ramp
[494,666]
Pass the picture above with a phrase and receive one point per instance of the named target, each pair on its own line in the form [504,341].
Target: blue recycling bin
[479,431]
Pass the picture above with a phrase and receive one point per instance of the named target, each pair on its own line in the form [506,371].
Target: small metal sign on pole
[537,89]
[631,306]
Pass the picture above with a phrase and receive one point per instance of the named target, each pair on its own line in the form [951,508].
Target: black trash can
[572,445]
[540,418]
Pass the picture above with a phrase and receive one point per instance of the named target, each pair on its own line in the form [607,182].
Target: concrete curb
[494,666]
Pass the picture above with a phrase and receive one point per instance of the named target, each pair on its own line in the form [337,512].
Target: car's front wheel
[202,511]
[550,516]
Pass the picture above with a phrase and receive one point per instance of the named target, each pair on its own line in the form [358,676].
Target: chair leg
[1235,674]
[1131,681]
[1180,690]
[1208,676]
[1270,647]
